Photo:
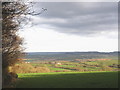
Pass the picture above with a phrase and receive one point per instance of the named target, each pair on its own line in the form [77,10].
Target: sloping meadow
[68,80]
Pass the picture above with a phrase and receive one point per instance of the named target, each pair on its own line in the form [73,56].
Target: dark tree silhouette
[13,14]
[11,42]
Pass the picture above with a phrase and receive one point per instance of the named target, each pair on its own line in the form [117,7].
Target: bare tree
[11,42]
[13,14]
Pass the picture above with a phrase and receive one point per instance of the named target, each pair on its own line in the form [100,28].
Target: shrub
[106,68]
[28,68]
[42,69]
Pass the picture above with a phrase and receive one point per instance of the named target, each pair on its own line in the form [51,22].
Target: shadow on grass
[69,80]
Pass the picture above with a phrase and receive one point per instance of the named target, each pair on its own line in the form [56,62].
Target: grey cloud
[79,18]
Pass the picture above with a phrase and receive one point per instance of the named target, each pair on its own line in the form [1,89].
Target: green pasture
[105,62]
[68,80]
[60,69]
[67,65]
[86,65]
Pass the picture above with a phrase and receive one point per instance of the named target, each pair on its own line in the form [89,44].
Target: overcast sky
[73,26]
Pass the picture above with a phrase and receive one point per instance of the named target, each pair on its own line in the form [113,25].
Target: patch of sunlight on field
[94,79]
[30,74]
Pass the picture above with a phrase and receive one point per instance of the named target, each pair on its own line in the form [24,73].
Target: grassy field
[69,80]
[66,66]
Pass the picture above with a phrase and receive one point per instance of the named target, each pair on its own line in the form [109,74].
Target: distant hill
[70,55]
[43,53]
[50,53]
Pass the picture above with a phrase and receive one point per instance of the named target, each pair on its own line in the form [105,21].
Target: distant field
[43,62]
[69,80]
[66,66]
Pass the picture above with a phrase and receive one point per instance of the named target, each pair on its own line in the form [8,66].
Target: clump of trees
[11,41]
[14,17]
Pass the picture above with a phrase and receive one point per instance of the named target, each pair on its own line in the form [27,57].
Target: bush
[106,68]
[28,68]
[42,69]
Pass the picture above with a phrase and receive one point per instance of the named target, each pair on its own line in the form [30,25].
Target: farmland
[68,70]
[67,66]
[68,61]
[68,80]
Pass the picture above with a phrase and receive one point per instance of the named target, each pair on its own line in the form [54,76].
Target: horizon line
[72,51]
